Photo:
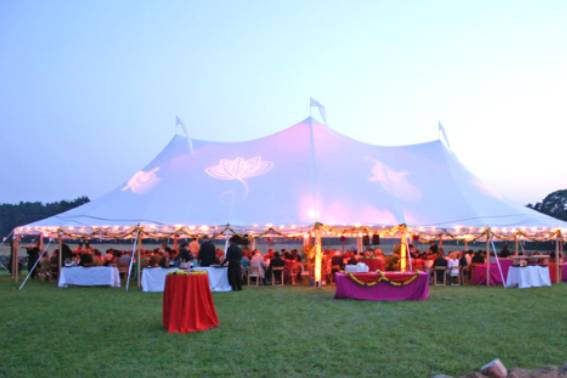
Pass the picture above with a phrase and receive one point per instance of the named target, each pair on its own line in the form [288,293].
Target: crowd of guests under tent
[268,266]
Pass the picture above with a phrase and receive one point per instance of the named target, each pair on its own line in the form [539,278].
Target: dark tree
[555,205]
[14,215]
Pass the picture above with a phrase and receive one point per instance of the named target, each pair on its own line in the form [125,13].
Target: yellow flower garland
[186,273]
[382,278]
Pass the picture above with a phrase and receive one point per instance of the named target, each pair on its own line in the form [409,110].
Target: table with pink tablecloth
[416,288]
[564,272]
[479,273]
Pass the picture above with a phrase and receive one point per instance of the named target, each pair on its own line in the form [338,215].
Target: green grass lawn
[293,331]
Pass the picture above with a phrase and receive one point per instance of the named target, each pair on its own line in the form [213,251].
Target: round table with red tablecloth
[187,303]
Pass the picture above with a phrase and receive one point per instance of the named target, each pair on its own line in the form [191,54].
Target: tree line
[554,204]
[14,215]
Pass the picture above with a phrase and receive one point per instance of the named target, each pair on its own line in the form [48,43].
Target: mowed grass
[292,331]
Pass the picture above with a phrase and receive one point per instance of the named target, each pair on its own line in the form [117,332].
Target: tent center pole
[318,258]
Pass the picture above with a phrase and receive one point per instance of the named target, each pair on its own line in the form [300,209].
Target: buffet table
[187,303]
[528,276]
[153,279]
[92,276]
[382,286]
[478,276]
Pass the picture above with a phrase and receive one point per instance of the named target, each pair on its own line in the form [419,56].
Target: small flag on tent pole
[315,104]
[179,122]
[443,134]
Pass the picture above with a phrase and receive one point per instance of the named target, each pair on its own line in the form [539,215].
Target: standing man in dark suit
[233,257]
[207,252]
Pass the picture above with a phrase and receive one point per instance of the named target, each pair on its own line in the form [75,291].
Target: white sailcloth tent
[304,174]
[305,180]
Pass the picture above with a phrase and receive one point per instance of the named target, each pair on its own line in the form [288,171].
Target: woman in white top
[257,263]
[453,268]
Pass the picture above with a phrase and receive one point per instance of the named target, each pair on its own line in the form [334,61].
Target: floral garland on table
[186,273]
[382,278]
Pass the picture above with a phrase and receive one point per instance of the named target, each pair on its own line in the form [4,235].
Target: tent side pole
[15,262]
[318,258]
[60,257]
[557,261]
[403,251]
[139,258]
[516,245]
[359,247]
[487,262]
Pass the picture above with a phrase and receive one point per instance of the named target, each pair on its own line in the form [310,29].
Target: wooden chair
[254,272]
[123,271]
[435,271]
[280,269]
[464,274]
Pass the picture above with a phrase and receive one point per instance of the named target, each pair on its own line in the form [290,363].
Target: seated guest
[86,259]
[505,252]
[295,255]
[353,260]
[97,258]
[124,259]
[478,258]
[257,263]
[337,264]
[184,258]
[277,262]
[440,261]
[108,258]
[463,262]
[453,267]
[206,252]
[433,249]
[155,259]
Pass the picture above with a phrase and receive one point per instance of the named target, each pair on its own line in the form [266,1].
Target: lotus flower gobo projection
[240,169]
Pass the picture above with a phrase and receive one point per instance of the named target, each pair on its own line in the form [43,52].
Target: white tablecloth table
[218,278]
[528,276]
[153,279]
[92,276]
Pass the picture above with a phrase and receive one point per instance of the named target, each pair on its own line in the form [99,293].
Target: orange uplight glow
[318,257]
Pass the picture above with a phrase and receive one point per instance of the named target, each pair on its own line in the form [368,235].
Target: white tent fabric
[304,174]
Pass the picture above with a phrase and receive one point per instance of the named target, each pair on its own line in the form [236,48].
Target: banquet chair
[254,272]
[123,271]
[282,275]
[439,269]
[464,274]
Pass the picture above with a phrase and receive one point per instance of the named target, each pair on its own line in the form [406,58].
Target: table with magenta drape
[478,276]
[382,286]
[188,304]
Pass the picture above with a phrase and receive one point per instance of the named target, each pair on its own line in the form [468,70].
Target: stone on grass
[495,369]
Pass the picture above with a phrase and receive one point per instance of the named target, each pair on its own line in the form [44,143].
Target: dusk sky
[89,90]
